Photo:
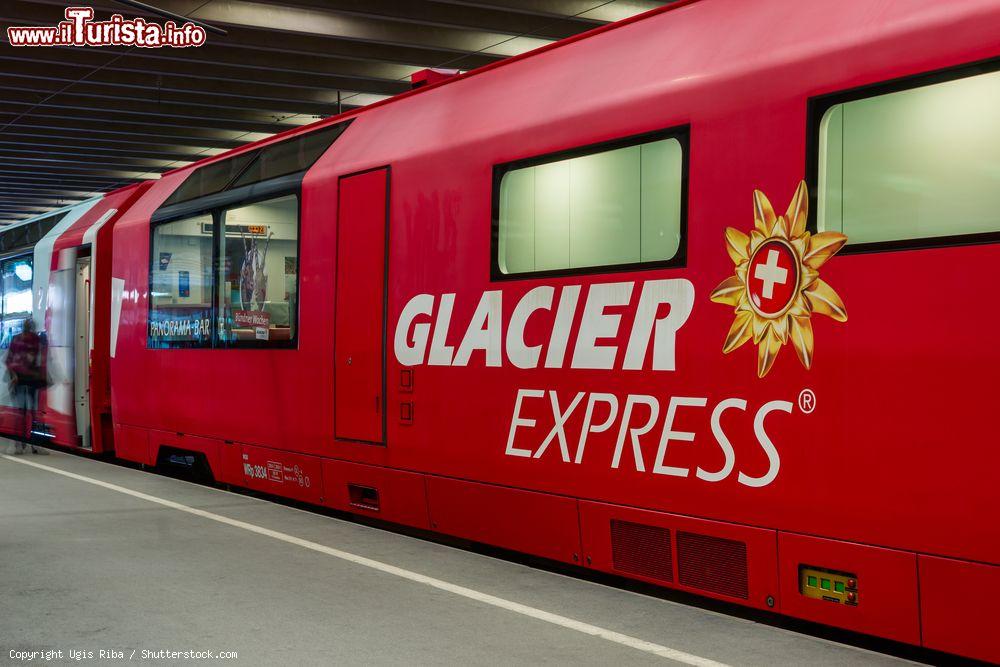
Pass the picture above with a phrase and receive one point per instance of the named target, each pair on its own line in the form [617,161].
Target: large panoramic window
[914,164]
[278,159]
[614,207]
[258,272]
[224,261]
[180,299]
[249,300]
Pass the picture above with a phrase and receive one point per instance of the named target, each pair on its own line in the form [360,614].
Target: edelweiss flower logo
[777,286]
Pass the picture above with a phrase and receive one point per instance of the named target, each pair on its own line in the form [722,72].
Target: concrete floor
[87,567]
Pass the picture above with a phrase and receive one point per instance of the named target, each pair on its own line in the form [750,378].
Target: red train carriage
[25,260]
[49,264]
[616,329]
[76,407]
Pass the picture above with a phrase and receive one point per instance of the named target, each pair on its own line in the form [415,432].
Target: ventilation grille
[642,550]
[712,564]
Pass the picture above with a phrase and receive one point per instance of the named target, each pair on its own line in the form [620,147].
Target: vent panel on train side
[642,550]
[712,564]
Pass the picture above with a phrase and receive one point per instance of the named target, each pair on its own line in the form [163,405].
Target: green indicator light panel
[830,585]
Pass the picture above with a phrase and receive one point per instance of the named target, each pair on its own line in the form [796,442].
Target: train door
[359,338]
[81,351]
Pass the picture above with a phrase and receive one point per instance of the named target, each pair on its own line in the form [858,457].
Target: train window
[15,275]
[287,157]
[910,167]
[224,261]
[604,207]
[211,178]
[257,279]
[180,307]
[278,159]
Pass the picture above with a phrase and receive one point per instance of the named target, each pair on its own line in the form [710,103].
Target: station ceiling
[79,121]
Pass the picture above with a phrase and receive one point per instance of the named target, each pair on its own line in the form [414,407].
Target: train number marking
[254,471]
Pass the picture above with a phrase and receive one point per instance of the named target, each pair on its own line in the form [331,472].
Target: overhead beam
[81,170]
[455,15]
[55,161]
[280,95]
[20,175]
[68,133]
[71,152]
[113,117]
[233,60]
[48,142]
[31,210]
[384,30]
[78,121]
[589,10]
[134,133]
[68,103]
[171,70]
[48,12]
[49,89]
[70,180]
[46,191]
[49,85]
[44,204]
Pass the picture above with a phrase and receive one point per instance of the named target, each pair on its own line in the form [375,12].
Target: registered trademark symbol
[807,401]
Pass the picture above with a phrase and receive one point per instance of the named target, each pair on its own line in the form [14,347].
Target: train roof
[668,67]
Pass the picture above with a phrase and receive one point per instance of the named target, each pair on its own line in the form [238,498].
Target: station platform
[99,557]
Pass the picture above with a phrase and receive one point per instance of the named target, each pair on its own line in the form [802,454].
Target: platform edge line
[469,593]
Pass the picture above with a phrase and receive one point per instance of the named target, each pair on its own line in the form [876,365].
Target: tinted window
[288,157]
[279,159]
[180,309]
[913,164]
[211,178]
[614,207]
[258,273]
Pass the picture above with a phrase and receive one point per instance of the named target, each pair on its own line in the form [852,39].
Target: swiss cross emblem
[776,287]
[773,278]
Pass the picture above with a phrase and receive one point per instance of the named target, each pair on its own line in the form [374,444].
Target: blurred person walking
[26,367]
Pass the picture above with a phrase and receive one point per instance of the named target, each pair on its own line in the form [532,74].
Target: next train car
[49,265]
[689,299]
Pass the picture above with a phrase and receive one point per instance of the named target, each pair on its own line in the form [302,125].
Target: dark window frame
[250,194]
[254,155]
[682,133]
[214,204]
[816,108]
[250,156]
[264,151]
